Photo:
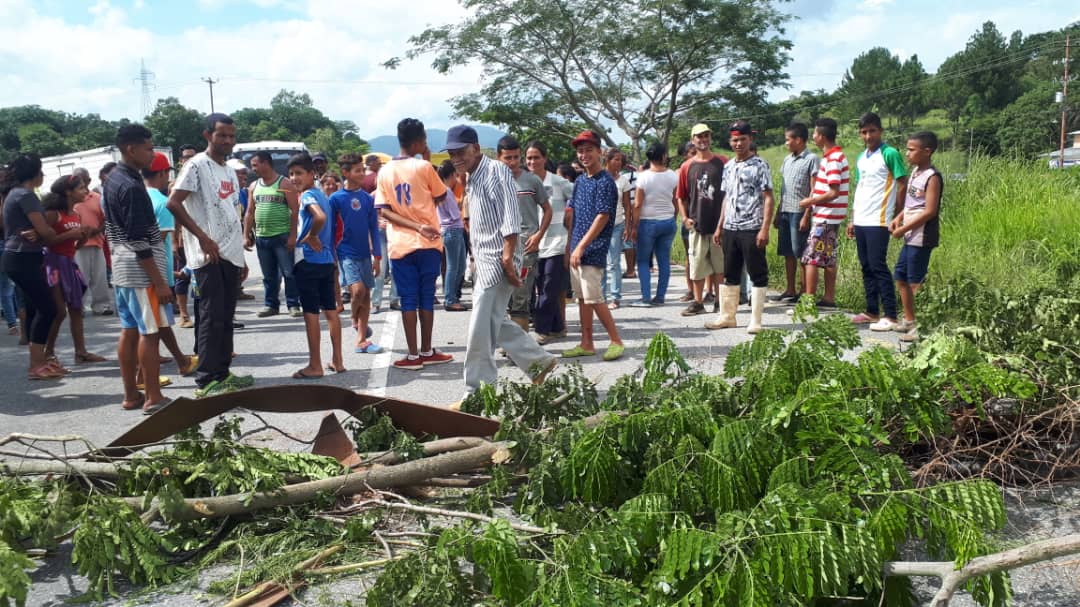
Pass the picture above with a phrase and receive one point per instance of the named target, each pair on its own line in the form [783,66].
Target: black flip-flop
[301,375]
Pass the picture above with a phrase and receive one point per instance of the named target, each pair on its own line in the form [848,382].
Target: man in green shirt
[270,226]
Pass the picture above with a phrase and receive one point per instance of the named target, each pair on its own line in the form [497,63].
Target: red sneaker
[414,364]
[436,358]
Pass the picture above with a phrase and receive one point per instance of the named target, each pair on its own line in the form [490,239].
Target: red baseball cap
[160,163]
[587,136]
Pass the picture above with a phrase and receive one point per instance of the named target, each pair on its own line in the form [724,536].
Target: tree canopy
[588,62]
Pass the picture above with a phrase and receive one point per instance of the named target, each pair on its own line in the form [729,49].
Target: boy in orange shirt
[408,191]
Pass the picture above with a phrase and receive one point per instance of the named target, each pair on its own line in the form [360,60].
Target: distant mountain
[388,144]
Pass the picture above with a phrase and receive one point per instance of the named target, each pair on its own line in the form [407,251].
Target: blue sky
[83,56]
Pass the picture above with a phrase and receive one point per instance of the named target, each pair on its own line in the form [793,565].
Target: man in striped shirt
[495,222]
[828,204]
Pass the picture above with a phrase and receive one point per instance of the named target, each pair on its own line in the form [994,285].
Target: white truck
[93,160]
[280,152]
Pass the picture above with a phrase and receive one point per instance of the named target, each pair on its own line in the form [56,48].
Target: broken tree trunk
[952,579]
[401,475]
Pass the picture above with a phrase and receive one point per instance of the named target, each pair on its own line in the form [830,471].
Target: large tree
[606,65]
[174,125]
[866,83]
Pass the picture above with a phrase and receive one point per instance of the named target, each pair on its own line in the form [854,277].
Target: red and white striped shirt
[833,171]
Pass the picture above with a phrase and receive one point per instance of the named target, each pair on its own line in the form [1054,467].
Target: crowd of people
[526,233]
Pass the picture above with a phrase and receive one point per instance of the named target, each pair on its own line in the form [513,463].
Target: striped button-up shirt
[493,215]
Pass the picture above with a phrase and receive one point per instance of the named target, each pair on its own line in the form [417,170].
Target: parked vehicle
[280,151]
[92,160]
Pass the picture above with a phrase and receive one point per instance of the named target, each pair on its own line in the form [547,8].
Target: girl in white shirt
[653,223]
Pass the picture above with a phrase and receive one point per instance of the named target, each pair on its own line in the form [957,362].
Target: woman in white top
[552,279]
[653,223]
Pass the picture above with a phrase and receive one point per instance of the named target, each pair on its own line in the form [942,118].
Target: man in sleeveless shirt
[273,210]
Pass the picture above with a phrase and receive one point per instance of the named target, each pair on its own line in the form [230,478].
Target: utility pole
[211,82]
[1064,105]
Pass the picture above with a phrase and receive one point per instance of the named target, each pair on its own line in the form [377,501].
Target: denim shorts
[790,240]
[356,269]
[912,265]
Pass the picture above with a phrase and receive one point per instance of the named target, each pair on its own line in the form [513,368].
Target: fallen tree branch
[257,592]
[435,447]
[952,579]
[402,475]
[352,567]
[40,468]
[444,512]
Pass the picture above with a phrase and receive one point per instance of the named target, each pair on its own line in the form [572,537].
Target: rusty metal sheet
[412,417]
[332,441]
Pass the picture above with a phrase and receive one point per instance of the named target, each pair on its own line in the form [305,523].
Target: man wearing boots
[743,230]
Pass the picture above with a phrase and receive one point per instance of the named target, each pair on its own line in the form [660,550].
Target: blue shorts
[912,265]
[415,276]
[790,240]
[138,308]
[315,282]
[356,269]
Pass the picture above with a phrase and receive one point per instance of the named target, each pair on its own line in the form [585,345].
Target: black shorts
[315,281]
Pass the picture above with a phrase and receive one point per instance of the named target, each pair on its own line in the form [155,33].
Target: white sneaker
[883,325]
[910,336]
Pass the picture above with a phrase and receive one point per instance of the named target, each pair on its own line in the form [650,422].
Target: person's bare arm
[933,203]
[594,231]
[901,195]
[429,232]
[318,220]
[43,228]
[532,245]
[628,212]
[249,219]
[763,233]
[176,207]
[632,222]
[292,198]
[510,243]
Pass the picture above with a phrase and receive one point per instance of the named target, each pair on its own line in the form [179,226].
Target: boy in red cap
[589,216]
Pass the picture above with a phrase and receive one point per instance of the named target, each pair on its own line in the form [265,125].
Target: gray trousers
[91,262]
[490,327]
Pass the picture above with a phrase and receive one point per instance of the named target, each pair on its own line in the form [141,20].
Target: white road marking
[380,366]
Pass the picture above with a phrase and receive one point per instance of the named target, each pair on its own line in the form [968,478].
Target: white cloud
[321,49]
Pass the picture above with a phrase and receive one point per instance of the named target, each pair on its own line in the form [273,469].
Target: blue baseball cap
[460,136]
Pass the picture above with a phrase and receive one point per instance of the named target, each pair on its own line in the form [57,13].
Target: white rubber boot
[729,302]
[757,306]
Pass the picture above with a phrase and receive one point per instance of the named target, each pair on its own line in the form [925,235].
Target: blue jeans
[7,300]
[654,237]
[551,282]
[872,243]
[456,258]
[612,280]
[276,261]
[384,275]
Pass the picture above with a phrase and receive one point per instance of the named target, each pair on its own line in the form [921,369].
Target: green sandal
[577,351]
[613,352]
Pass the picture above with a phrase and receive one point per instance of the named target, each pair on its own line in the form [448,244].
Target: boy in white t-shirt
[880,175]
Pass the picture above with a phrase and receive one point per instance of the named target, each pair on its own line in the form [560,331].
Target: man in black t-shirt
[699,197]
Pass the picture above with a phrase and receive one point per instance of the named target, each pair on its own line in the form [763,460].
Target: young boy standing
[792,221]
[355,209]
[408,190]
[828,208]
[590,214]
[880,175]
[315,272]
[743,229]
[918,225]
